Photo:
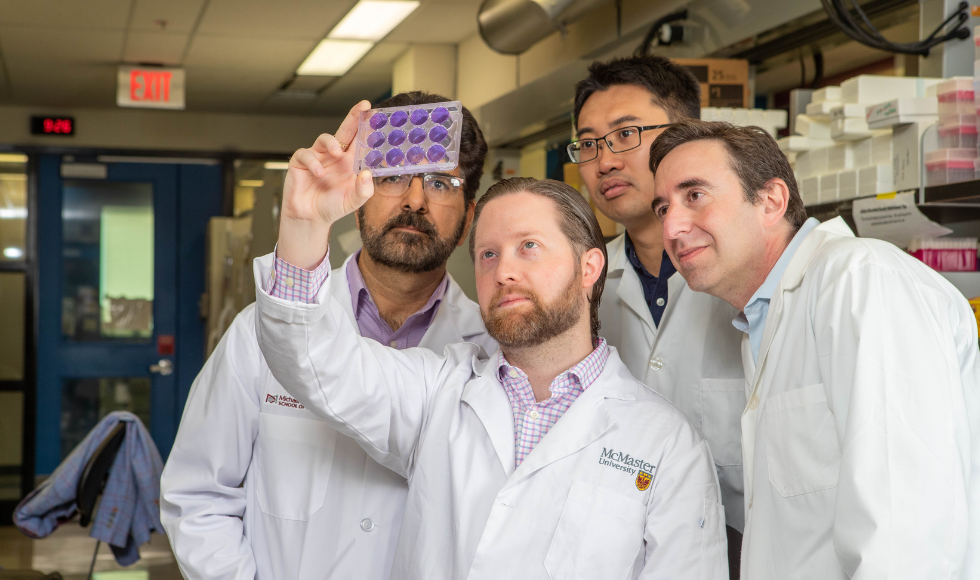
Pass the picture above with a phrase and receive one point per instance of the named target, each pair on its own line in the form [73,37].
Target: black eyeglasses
[618,141]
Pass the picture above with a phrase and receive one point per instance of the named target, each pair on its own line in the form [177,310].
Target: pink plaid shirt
[533,420]
[297,284]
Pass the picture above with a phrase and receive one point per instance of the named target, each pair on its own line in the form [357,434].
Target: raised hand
[320,188]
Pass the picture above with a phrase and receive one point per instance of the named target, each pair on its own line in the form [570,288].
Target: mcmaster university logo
[624,462]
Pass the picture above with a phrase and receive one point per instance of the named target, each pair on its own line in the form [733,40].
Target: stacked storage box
[955,159]
[858,159]
[770,120]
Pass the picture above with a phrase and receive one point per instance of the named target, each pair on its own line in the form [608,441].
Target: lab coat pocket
[801,442]
[598,536]
[722,403]
[293,465]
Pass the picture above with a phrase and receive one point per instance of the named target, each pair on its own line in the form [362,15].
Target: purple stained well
[440,114]
[396,137]
[416,135]
[435,153]
[419,117]
[438,133]
[373,158]
[398,118]
[378,120]
[415,155]
[376,139]
[394,157]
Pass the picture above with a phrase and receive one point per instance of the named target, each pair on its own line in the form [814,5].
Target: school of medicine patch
[270,399]
[643,480]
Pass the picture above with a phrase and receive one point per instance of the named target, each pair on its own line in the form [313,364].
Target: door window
[107,248]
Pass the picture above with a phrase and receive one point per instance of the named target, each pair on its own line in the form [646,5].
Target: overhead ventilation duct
[513,26]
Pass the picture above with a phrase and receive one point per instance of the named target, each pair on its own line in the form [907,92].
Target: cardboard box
[724,82]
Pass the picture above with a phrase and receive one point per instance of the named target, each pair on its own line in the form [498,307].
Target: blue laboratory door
[121,267]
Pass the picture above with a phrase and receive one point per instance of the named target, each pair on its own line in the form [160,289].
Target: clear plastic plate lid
[411,139]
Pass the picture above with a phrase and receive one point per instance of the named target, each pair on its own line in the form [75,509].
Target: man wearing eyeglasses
[257,486]
[678,342]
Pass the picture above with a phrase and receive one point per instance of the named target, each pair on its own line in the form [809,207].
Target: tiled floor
[69,551]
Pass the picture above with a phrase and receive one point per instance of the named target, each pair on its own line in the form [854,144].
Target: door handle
[164,368]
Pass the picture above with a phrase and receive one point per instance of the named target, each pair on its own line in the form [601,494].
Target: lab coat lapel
[630,291]
[340,289]
[674,285]
[584,422]
[445,328]
[487,398]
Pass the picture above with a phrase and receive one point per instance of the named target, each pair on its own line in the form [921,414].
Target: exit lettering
[150,86]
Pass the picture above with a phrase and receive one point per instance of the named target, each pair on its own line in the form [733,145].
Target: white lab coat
[693,359]
[313,505]
[573,509]
[861,431]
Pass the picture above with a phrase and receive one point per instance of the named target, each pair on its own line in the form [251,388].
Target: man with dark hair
[679,343]
[259,487]
[860,435]
[547,460]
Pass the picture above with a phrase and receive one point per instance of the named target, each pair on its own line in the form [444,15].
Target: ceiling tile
[66,86]
[347,92]
[179,15]
[455,22]
[255,53]
[102,14]
[301,19]
[155,47]
[39,45]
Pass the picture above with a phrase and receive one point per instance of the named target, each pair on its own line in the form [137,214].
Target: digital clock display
[52,125]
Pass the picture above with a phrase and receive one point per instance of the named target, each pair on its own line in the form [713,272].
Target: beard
[406,252]
[522,329]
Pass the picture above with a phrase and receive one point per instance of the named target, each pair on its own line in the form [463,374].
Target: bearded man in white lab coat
[680,343]
[257,486]
[547,460]
[860,437]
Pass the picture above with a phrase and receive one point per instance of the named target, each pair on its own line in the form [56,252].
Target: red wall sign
[156,88]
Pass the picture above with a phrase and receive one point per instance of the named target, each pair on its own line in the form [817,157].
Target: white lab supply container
[821,111]
[818,160]
[876,179]
[799,143]
[826,94]
[847,184]
[950,165]
[772,120]
[810,190]
[873,150]
[828,188]
[812,128]
[840,157]
[845,110]
[902,111]
[845,129]
[958,131]
[955,96]
[871,89]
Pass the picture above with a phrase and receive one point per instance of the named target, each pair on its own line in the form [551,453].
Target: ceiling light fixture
[13,213]
[280,165]
[251,183]
[13,253]
[367,22]
[334,57]
[372,19]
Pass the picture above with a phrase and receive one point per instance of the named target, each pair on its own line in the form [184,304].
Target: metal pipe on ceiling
[513,26]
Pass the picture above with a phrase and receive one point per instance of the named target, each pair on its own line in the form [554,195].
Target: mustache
[410,219]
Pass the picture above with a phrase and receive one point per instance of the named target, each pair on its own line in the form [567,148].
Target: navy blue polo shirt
[654,287]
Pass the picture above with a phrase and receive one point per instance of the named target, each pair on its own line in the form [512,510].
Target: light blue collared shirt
[752,320]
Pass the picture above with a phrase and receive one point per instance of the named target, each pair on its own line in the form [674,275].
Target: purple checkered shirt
[533,420]
[296,284]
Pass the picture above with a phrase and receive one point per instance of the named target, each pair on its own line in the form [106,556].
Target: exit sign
[150,87]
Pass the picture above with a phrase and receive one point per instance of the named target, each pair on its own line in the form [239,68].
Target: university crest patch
[643,480]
